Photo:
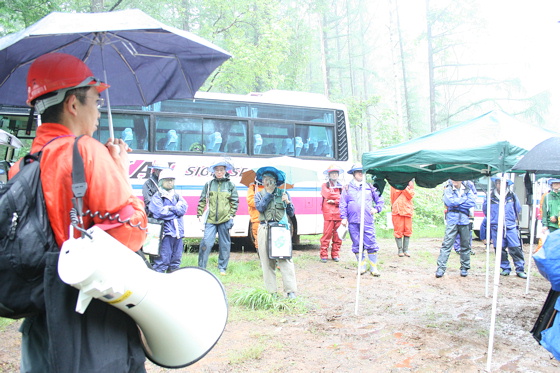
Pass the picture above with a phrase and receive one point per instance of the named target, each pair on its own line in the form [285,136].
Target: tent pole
[487,238]
[532,230]
[361,247]
[499,243]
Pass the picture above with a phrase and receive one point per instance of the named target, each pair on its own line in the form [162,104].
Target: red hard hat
[55,71]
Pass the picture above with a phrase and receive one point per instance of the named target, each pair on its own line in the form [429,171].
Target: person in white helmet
[331,191]
[150,187]
[170,207]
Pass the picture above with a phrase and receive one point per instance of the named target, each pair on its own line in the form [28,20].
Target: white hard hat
[167,173]
[159,165]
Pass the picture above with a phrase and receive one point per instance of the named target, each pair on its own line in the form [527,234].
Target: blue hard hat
[508,181]
[280,176]
[227,165]
[355,167]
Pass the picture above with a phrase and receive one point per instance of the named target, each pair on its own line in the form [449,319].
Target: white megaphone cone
[169,309]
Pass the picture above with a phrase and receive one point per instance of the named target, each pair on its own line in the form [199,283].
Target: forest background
[404,68]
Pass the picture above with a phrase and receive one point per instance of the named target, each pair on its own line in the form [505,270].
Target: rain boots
[372,258]
[400,245]
[362,264]
[406,239]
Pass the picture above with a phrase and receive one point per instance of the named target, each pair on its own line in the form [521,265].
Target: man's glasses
[100,101]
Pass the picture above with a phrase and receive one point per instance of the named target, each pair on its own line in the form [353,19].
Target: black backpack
[25,238]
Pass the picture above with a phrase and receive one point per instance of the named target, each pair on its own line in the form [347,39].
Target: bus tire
[293,231]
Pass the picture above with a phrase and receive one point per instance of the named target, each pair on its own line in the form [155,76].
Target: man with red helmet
[63,90]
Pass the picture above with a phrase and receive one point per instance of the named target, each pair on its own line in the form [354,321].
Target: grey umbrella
[543,159]
[142,59]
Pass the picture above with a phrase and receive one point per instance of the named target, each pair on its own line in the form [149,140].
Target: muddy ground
[407,321]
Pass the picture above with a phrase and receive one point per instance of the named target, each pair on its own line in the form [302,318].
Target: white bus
[251,130]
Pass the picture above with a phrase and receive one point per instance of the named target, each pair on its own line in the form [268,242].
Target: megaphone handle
[83,302]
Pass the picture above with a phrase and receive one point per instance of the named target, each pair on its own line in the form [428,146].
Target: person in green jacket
[219,196]
[551,207]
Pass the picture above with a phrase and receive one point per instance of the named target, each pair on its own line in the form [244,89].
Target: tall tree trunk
[431,69]
[404,76]
[324,67]
[395,56]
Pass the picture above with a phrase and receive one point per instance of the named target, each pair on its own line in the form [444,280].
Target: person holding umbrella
[512,239]
[330,191]
[274,205]
[102,339]
[350,212]
[219,198]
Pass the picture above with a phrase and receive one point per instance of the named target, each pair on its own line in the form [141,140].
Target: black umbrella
[144,60]
[543,159]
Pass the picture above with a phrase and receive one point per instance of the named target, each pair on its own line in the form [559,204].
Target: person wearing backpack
[220,200]
[104,339]
[150,187]
[170,207]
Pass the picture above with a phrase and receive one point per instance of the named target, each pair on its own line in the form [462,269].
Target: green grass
[422,231]
[5,322]
[260,299]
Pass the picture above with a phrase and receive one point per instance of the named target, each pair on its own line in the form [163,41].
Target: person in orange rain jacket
[331,191]
[63,90]
[402,210]
[253,212]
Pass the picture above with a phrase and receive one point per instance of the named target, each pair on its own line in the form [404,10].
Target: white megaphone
[167,307]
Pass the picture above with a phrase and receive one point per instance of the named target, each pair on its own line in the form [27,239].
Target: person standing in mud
[330,191]
[459,198]
[350,212]
[402,209]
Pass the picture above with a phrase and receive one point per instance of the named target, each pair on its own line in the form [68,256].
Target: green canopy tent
[491,143]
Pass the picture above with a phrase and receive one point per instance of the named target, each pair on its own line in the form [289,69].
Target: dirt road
[407,321]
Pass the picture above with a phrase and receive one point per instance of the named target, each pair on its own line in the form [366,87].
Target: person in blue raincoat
[169,207]
[457,243]
[511,240]
[459,198]
[350,212]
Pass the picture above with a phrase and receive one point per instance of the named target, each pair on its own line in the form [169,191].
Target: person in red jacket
[104,339]
[402,209]
[331,191]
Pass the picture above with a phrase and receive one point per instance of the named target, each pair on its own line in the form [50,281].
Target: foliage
[348,49]
[428,219]
[260,299]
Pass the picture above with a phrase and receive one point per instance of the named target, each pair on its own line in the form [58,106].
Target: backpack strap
[79,188]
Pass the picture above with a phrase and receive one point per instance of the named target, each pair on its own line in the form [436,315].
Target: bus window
[133,129]
[179,134]
[276,137]
[316,140]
